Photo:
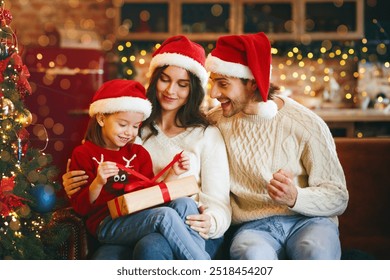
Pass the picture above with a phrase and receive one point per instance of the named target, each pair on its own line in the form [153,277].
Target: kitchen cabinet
[206,20]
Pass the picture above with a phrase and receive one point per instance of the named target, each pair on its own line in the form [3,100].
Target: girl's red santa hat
[120,95]
[247,57]
[180,51]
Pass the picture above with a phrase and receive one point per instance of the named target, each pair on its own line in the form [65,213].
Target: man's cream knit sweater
[296,140]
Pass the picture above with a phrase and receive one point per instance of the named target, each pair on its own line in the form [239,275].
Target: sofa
[364,226]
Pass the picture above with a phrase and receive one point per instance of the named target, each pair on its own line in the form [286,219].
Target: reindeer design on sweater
[118,182]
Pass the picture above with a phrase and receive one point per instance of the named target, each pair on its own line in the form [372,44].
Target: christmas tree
[27,182]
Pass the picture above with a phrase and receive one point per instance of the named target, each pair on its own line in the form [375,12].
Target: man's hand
[282,189]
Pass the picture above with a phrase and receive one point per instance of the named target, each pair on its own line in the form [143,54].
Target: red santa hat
[247,57]
[180,51]
[120,96]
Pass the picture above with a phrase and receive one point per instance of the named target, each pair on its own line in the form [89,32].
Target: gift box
[152,196]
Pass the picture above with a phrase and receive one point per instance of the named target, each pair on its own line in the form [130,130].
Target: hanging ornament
[8,201]
[45,198]
[3,51]
[7,108]
[23,135]
[5,16]
[24,118]
[7,184]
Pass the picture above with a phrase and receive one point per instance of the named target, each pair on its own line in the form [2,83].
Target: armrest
[76,245]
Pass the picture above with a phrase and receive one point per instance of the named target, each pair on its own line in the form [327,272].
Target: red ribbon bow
[146,182]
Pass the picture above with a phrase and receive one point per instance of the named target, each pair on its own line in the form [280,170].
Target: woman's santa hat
[247,57]
[180,51]
[120,96]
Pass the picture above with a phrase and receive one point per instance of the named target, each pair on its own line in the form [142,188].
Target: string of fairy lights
[134,55]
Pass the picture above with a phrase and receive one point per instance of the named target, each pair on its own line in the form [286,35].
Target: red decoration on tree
[8,201]
[5,16]
[7,184]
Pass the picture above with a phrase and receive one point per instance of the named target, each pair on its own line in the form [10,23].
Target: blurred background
[332,56]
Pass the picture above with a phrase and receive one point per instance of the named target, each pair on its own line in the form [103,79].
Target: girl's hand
[106,170]
[182,165]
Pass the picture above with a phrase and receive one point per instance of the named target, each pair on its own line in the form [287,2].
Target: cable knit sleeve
[326,193]
[215,182]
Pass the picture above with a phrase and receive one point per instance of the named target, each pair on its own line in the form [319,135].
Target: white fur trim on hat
[219,66]
[121,104]
[182,61]
[268,109]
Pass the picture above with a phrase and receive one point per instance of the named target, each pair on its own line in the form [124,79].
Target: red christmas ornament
[8,201]
[5,15]
[7,184]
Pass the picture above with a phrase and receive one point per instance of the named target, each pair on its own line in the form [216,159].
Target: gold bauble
[24,118]
[7,108]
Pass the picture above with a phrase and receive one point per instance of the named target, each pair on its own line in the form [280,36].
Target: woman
[176,91]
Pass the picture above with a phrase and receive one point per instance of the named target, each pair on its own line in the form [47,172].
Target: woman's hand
[73,180]
[201,222]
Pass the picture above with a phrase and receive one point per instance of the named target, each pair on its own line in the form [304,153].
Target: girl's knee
[184,206]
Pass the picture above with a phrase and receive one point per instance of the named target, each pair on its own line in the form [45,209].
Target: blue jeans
[155,247]
[167,220]
[287,237]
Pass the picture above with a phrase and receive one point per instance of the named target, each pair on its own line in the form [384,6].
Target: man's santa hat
[180,51]
[247,57]
[120,96]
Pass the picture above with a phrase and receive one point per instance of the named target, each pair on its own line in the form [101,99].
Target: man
[287,184]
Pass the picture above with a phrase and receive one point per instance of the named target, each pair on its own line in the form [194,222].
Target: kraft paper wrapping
[149,197]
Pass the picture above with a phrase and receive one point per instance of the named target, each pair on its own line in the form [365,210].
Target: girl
[117,111]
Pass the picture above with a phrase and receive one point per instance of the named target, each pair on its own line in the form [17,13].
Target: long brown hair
[189,115]
[94,132]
